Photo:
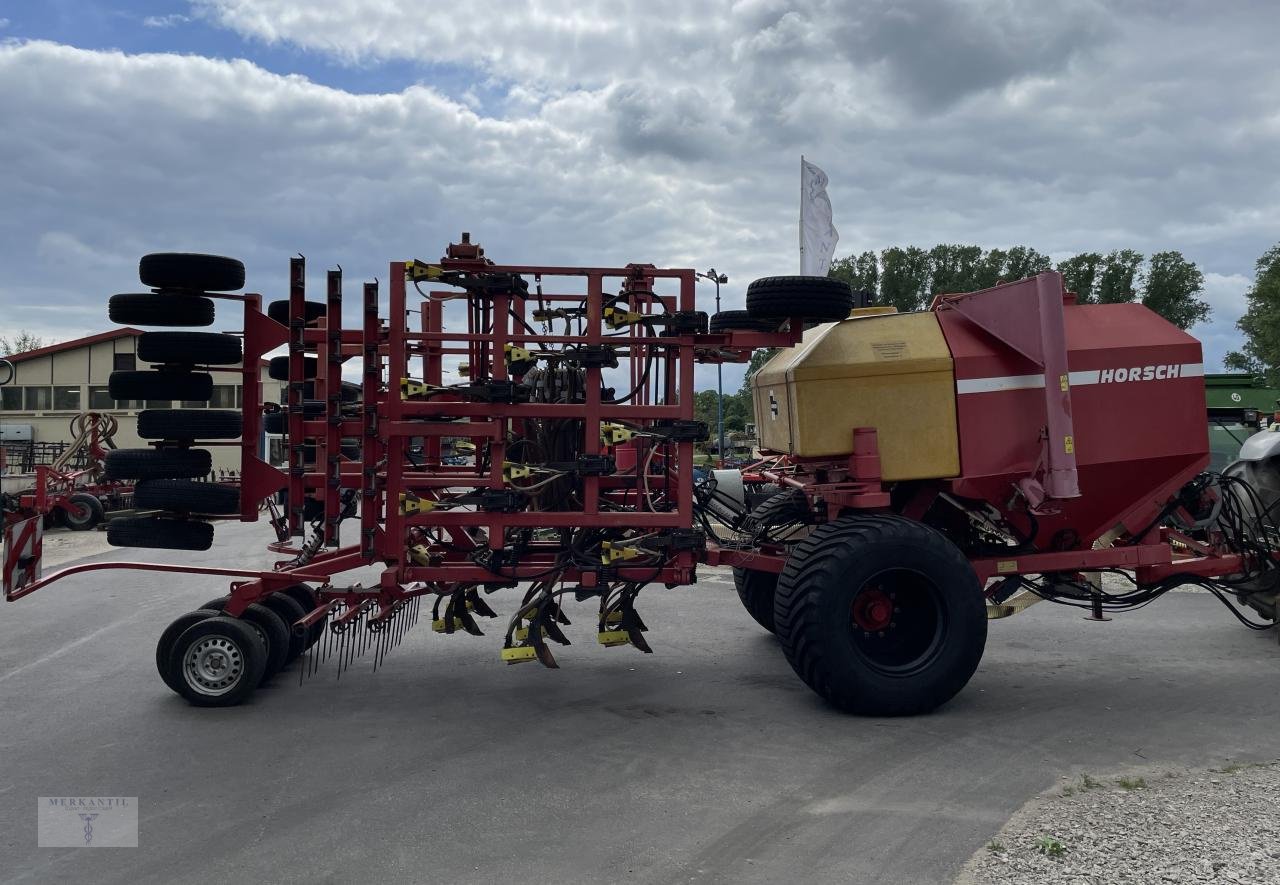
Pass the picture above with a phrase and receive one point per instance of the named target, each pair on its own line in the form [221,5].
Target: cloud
[658,131]
[165,21]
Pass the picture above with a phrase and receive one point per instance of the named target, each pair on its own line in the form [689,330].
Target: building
[53,384]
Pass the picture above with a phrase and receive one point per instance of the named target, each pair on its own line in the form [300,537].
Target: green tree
[20,343]
[1117,284]
[704,407]
[1170,287]
[904,277]
[1261,321]
[954,268]
[1080,272]
[991,269]
[861,272]
[1023,261]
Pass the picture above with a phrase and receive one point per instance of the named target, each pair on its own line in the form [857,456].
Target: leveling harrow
[533,428]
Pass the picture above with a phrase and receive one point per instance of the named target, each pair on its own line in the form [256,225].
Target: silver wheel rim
[213,666]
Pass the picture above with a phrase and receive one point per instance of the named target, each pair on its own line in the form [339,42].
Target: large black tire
[186,496]
[189,348]
[159,533]
[278,368]
[817,298]
[217,662]
[160,309]
[306,597]
[164,646]
[161,385]
[881,615]
[189,424]
[189,270]
[290,612]
[780,521]
[312,311]
[726,320]
[84,513]
[158,463]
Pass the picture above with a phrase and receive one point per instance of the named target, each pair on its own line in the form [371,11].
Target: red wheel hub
[872,610]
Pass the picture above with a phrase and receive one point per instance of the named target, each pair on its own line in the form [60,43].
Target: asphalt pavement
[707,761]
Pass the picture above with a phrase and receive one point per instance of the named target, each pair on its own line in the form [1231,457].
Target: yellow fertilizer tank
[890,371]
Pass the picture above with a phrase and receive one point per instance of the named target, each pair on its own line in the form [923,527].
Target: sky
[358,132]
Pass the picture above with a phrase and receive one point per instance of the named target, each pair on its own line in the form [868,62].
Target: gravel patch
[1219,825]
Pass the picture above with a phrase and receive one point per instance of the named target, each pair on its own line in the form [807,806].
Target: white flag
[818,236]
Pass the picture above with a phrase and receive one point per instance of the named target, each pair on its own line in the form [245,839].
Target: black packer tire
[192,271]
[271,628]
[85,513]
[189,424]
[159,533]
[756,588]
[158,463]
[311,311]
[164,645]
[306,597]
[160,385]
[186,496]
[290,612]
[925,597]
[160,309]
[189,348]
[217,662]
[727,320]
[816,298]
[278,368]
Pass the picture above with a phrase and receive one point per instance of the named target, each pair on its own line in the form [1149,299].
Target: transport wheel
[83,512]
[160,309]
[278,368]
[217,662]
[740,319]
[306,597]
[780,522]
[189,424]
[189,348]
[158,463]
[312,311]
[186,496]
[159,533]
[880,615]
[817,298]
[188,270]
[160,385]
[164,646]
[290,612]
[270,627]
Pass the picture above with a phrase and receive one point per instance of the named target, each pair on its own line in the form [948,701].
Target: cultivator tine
[620,623]
[528,641]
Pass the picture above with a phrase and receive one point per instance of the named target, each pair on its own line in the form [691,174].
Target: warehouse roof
[109,335]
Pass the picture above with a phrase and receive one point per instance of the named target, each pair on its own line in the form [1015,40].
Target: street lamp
[718,278]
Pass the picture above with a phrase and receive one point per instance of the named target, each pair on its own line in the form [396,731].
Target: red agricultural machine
[63,494]
[932,469]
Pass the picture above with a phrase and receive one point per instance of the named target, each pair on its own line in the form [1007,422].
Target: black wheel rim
[897,622]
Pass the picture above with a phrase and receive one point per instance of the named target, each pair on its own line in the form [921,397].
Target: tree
[758,359]
[1261,321]
[20,343]
[904,277]
[1119,274]
[861,272]
[704,408]
[1023,261]
[1080,272]
[1170,287]
[990,269]
[954,268]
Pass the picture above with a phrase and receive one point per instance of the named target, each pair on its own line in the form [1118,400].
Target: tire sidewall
[850,680]
[246,640]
